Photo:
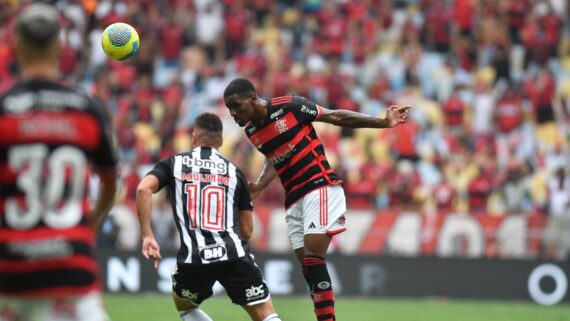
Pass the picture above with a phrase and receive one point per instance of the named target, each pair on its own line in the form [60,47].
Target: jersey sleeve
[107,153]
[244,199]
[162,171]
[304,110]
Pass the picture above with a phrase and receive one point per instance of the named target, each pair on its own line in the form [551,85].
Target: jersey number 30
[46,200]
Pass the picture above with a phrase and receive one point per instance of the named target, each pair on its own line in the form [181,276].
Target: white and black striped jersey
[206,192]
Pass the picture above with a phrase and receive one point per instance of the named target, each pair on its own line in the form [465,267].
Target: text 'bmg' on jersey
[51,135]
[206,193]
[288,139]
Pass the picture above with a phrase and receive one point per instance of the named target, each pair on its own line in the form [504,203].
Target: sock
[272,317]
[321,287]
[194,314]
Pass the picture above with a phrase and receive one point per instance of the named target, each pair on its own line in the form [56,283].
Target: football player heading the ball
[281,128]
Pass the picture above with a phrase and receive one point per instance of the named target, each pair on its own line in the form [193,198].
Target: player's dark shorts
[241,278]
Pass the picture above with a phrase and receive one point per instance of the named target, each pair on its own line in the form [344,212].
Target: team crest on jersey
[281,126]
[213,252]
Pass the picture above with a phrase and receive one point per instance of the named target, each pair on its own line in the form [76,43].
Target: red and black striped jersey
[287,138]
[51,136]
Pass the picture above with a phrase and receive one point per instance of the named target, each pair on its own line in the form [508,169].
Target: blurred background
[481,170]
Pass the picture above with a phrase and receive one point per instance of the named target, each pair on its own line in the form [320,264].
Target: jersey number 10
[211,203]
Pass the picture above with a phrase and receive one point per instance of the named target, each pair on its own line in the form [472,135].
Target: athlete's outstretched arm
[106,196]
[145,189]
[267,174]
[395,115]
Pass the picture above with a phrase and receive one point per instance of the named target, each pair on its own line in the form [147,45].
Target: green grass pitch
[127,307]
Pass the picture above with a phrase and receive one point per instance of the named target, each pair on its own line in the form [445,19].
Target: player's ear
[193,137]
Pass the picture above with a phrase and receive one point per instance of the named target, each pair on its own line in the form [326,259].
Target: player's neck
[39,70]
[260,110]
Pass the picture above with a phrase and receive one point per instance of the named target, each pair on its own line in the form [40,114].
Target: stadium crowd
[489,82]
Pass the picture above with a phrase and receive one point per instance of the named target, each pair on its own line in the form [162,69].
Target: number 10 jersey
[207,193]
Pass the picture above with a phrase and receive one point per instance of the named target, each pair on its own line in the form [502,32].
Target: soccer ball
[120,41]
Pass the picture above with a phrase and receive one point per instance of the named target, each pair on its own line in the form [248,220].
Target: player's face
[241,108]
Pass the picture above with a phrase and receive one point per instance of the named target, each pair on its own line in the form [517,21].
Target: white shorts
[88,307]
[320,211]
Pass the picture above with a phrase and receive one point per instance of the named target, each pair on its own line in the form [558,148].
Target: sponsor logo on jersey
[254,291]
[44,99]
[251,130]
[307,110]
[281,126]
[187,294]
[276,114]
[279,157]
[213,252]
[220,167]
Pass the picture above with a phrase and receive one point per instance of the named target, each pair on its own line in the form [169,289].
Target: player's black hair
[209,122]
[38,25]
[239,86]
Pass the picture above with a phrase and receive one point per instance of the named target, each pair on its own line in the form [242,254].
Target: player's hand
[396,115]
[254,190]
[151,250]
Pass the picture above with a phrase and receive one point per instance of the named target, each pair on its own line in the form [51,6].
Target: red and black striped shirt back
[51,136]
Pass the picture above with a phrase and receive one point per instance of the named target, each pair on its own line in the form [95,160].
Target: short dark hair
[38,25]
[209,122]
[239,86]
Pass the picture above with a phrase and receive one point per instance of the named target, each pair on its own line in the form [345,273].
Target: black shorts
[241,278]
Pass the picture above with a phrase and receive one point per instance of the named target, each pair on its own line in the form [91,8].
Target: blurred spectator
[556,234]
[489,82]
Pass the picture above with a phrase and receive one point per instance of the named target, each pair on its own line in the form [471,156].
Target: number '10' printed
[211,216]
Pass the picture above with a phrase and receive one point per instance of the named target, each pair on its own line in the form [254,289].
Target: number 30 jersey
[50,137]
[206,192]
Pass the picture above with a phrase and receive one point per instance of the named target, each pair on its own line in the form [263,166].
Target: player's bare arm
[245,224]
[106,196]
[267,174]
[395,115]
[145,189]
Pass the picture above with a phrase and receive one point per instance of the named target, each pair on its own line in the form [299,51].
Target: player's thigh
[324,211]
[294,219]
[258,312]
[193,283]
[244,282]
